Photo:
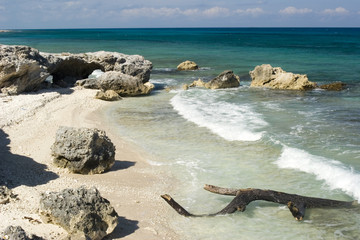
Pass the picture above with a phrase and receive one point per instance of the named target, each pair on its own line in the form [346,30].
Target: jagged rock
[6,195]
[24,69]
[17,233]
[187,65]
[83,150]
[79,211]
[123,84]
[336,86]
[198,83]
[91,83]
[226,79]
[108,95]
[276,78]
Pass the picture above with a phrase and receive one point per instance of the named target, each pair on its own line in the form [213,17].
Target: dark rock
[226,79]
[83,150]
[79,211]
[336,86]
[17,233]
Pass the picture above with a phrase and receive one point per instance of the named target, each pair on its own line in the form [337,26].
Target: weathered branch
[296,203]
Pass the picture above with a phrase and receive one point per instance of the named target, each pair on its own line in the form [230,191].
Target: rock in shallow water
[81,212]
[83,150]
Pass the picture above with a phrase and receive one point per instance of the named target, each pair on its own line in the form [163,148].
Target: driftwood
[296,203]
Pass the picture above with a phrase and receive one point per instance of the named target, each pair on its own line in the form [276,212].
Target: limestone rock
[22,69]
[79,211]
[17,233]
[83,150]
[187,65]
[276,78]
[123,84]
[336,86]
[108,95]
[198,83]
[226,79]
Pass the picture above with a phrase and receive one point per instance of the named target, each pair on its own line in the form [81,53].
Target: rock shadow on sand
[17,170]
[122,165]
[123,229]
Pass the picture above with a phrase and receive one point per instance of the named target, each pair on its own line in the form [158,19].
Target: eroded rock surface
[83,150]
[187,66]
[79,211]
[276,78]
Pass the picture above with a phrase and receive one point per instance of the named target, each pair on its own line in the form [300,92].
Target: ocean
[306,143]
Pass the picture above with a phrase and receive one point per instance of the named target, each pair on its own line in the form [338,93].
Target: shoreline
[132,186]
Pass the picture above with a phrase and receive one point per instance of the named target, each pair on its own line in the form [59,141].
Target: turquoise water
[298,142]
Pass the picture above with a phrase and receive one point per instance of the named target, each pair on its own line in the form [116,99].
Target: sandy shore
[28,125]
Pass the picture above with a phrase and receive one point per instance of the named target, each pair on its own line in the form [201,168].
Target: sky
[39,14]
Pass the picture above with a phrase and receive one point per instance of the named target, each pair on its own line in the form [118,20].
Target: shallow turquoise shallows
[306,143]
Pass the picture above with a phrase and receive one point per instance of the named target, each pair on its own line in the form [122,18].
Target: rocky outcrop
[226,79]
[24,68]
[187,65]
[336,86]
[81,212]
[109,95]
[83,150]
[123,84]
[276,78]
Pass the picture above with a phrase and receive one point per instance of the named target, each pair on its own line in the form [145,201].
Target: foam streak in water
[231,121]
[334,173]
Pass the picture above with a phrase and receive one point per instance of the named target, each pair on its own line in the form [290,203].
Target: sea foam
[231,121]
[334,173]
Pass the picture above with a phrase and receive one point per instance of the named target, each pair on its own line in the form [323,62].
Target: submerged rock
[81,212]
[336,86]
[24,68]
[187,65]
[83,150]
[276,78]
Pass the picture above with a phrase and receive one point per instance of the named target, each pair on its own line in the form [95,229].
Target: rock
[83,150]
[185,87]
[108,95]
[276,78]
[6,195]
[187,65]
[198,83]
[123,84]
[79,211]
[17,233]
[22,69]
[336,86]
[226,79]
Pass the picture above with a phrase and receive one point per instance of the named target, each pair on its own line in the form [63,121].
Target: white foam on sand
[334,173]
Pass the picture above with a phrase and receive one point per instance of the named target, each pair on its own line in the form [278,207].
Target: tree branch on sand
[296,203]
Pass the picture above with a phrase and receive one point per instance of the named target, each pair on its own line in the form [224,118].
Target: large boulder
[226,79]
[276,78]
[22,69]
[187,65]
[83,150]
[81,212]
[123,84]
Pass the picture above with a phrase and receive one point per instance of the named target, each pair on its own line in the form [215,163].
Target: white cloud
[294,10]
[250,11]
[151,12]
[216,12]
[336,11]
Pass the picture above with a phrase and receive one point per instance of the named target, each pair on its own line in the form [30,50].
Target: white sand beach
[28,126]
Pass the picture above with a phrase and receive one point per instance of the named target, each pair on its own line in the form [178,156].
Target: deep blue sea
[307,143]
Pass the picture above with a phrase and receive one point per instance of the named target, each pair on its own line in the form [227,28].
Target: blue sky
[22,14]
